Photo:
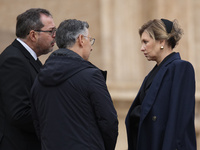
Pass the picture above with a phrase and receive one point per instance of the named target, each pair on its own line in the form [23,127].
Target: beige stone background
[115,24]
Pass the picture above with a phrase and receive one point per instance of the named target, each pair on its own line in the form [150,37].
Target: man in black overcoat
[19,65]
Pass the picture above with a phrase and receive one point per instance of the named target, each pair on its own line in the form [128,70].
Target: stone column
[121,47]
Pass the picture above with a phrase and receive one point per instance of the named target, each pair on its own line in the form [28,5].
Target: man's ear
[80,40]
[32,35]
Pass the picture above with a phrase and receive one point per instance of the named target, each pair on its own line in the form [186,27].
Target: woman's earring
[161,47]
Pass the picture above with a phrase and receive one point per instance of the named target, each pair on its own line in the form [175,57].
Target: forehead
[47,21]
[145,35]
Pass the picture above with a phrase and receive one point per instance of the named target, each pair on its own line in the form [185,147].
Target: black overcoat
[18,70]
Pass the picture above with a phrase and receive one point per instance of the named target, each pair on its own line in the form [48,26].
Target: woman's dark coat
[167,111]
[73,109]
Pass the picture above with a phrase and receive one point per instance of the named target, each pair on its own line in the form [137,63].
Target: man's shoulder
[12,49]
[91,70]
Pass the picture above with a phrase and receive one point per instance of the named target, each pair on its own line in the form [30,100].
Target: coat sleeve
[180,132]
[104,110]
[16,85]
[33,109]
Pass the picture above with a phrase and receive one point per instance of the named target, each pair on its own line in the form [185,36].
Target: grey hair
[69,30]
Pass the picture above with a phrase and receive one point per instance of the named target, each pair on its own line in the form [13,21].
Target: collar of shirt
[28,49]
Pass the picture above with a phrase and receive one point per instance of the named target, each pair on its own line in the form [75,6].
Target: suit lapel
[36,64]
[151,94]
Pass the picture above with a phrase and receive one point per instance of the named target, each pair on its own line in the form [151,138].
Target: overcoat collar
[36,64]
[151,95]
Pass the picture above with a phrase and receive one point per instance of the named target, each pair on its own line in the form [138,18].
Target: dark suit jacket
[18,70]
[167,111]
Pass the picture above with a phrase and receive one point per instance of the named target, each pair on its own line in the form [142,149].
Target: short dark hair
[30,20]
[68,31]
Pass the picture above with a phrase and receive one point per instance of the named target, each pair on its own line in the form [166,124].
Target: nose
[54,35]
[142,48]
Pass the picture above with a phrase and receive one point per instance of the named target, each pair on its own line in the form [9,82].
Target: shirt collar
[28,49]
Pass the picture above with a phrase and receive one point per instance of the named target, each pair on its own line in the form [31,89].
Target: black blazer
[18,70]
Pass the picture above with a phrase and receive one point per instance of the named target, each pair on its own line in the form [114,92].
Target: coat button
[154,118]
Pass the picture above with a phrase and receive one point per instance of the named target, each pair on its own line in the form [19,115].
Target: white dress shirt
[28,49]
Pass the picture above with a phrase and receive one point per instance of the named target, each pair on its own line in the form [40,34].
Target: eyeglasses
[52,32]
[92,40]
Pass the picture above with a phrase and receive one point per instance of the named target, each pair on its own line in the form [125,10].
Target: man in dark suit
[19,65]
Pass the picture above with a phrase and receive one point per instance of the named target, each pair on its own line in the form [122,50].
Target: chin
[149,59]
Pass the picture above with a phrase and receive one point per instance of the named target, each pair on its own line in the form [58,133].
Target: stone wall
[115,24]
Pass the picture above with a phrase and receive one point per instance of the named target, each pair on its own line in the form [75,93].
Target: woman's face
[150,47]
